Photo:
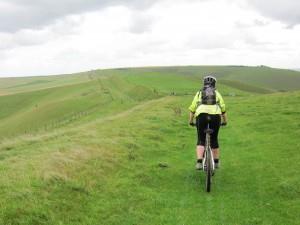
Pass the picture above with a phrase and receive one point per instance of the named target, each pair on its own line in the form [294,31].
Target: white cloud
[138,33]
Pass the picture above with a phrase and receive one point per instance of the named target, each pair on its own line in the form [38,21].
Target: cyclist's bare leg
[200,151]
[216,153]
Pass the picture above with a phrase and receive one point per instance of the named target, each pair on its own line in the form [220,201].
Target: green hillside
[263,77]
[89,149]
[13,85]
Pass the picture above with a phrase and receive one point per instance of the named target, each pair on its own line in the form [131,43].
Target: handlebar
[222,124]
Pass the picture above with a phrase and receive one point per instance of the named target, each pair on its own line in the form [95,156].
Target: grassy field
[91,152]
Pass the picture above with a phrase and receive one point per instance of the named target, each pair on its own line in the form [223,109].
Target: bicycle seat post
[208,130]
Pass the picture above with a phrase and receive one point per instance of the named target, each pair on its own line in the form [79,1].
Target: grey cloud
[23,38]
[286,11]
[29,37]
[32,14]
[141,23]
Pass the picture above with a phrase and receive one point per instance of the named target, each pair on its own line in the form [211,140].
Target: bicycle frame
[207,150]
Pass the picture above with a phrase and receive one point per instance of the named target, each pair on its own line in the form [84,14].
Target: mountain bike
[208,159]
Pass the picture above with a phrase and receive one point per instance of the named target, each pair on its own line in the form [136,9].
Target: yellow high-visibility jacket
[196,107]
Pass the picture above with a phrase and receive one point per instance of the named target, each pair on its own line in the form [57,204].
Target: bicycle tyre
[208,171]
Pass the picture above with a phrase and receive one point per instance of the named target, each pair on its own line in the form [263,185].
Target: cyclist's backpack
[208,95]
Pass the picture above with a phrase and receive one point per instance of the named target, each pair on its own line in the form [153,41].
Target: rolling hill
[88,148]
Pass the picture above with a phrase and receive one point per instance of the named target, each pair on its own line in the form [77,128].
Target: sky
[43,37]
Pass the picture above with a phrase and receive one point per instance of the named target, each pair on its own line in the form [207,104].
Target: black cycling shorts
[214,123]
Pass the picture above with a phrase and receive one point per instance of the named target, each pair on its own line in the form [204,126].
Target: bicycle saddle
[208,131]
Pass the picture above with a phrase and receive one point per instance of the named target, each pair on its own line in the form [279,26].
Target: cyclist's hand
[192,124]
[224,124]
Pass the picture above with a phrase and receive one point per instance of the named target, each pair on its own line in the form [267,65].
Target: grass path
[61,131]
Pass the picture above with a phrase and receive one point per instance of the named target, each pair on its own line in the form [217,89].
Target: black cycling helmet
[210,81]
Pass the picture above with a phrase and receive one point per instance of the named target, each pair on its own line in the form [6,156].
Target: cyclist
[207,101]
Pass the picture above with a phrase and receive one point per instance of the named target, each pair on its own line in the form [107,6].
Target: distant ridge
[261,79]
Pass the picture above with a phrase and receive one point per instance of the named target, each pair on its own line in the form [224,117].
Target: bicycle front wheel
[208,171]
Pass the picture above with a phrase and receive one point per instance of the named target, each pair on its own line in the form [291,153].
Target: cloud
[211,41]
[141,23]
[30,37]
[260,23]
[286,11]
[251,24]
[34,14]
[117,33]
